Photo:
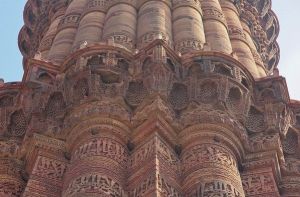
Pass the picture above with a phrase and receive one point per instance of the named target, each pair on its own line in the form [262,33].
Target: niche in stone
[136,93]
[208,92]
[290,143]
[255,121]
[55,105]
[18,124]
[45,78]
[178,96]
[234,100]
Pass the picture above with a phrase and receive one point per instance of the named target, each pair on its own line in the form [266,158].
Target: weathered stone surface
[169,98]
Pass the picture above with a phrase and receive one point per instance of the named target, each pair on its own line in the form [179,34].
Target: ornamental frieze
[177,98]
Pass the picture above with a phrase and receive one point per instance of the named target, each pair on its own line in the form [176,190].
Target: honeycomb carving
[290,143]
[179,96]
[55,105]
[18,124]
[255,121]
[234,100]
[209,92]
[221,69]
[214,188]
[136,93]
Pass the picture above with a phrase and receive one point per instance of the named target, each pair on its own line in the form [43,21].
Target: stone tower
[149,98]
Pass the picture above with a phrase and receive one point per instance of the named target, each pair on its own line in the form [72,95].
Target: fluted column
[67,29]
[256,55]
[215,27]
[91,25]
[188,30]
[97,166]
[120,25]
[154,22]
[47,40]
[209,166]
[238,38]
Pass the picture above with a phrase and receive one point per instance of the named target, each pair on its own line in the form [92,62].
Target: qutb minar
[149,98]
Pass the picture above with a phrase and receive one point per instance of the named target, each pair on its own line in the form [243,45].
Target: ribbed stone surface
[185,25]
[149,98]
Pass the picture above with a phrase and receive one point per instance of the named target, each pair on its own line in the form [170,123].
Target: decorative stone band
[93,124]
[189,3]
[94,183]
[259,184]
[46,165]
[206,155]
[151,36]
[212,170]
[154,147]
[10,187]
[70,21]
[11,177]
[46,178]
[96,5]
[290,186]
[189,45]
[154,183]
[237,33]
[122,39]
[212,13]
[49,168]
[140,3]
[105,147]
[214,188]
[46,143]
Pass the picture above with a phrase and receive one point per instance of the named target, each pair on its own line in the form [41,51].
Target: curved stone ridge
[246,29]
